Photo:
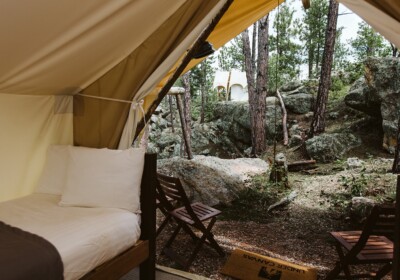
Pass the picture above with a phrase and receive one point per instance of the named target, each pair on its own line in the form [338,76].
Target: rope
[134,105]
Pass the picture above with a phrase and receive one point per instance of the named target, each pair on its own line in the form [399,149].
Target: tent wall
[382,15]
[99,123]
[29,124]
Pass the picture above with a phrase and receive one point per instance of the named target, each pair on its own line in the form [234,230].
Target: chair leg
[163,224]
[173,236]
[343,262]
[211,240]
[189,231]
[383,271]
[199,244]
[334,272]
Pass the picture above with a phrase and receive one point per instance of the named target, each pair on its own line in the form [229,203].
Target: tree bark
[318,123]
[186,106]
[188,149]
[253,46]
[203,92]
[257,89]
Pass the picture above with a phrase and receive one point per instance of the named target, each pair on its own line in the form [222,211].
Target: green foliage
[354,71]
[283,44]
[312,34]
[369,43]
[356,184]
[202,75]
[340,56]
[252,203]
[231,55]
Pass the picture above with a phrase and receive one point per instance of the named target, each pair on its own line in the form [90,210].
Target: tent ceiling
[382,15]
[58,47]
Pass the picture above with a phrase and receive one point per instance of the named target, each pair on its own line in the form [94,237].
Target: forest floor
[299,232]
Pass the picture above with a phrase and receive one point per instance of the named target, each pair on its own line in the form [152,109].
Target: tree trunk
[188,149]
[203,92]
[186,106]
[257,89]
[171,112]
[253,46]
[318,123]
[310,62]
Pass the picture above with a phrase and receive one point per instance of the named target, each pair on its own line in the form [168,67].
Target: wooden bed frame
[143,252]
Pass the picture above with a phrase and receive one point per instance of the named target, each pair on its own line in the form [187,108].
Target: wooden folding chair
[189,216]
[369,246]
[162,208]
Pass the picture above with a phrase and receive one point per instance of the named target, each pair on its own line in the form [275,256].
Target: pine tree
[284,43]
[369,43]
[312,34]
[318,122]
[231,55]
[257,83]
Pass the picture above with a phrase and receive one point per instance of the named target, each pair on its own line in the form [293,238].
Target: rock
[290,86]
[213,180]
[168,138]
[235,119]
[358,98]
[329,147]
[299,103]
[361,208]
[378,95]
[354,163]
[309,115]
[295,141]
[333,115]
[295,130]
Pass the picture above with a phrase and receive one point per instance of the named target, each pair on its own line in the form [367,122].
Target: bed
[93,242]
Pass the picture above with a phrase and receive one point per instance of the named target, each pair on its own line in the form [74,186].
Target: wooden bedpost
[148,208]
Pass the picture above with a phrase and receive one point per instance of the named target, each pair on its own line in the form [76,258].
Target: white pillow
[54,172]
[104,178]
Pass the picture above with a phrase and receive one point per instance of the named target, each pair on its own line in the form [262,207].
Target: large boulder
[235,119]
[300,103]
[213,180]
[329,147]
[378,94]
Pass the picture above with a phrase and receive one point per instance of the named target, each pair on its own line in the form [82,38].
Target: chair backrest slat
[381,221]
[172,187]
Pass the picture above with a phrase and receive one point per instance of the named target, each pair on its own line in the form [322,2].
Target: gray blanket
[27,256]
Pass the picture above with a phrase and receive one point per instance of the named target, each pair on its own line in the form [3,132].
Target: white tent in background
[234,82]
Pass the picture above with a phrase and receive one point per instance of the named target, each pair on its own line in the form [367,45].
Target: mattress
[84,237]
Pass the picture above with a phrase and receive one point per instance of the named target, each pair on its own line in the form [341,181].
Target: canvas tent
[234,82]
[55,55]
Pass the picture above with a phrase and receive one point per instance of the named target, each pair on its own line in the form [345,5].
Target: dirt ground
[298,233]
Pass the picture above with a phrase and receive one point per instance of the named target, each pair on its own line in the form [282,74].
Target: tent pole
[202,38]
[396,170]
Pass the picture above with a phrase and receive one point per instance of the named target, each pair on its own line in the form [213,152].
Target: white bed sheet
[84,237]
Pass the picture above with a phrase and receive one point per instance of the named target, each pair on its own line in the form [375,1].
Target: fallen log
[301,165]
[283,202]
